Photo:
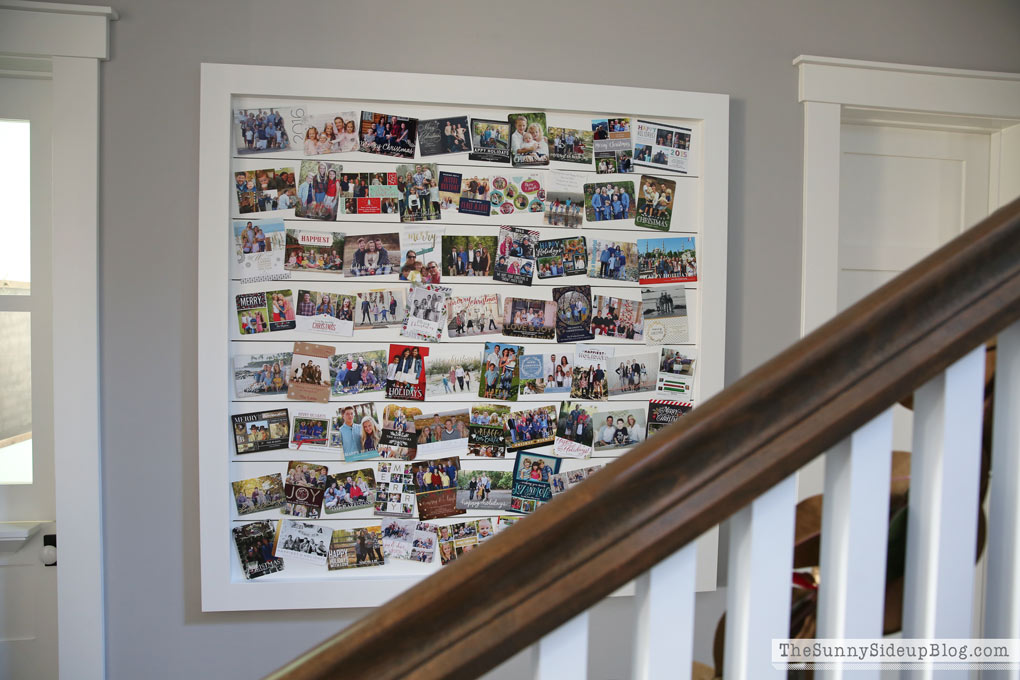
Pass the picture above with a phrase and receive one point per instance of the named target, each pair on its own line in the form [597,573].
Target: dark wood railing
[475,613]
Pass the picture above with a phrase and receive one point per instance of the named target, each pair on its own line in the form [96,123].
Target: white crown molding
[807,59]
[49,29]
[878,85]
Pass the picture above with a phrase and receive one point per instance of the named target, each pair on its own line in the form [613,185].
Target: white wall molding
[73,39]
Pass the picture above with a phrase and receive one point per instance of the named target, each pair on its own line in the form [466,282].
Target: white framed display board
[298,94]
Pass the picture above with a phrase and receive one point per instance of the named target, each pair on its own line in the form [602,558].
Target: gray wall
[149,214]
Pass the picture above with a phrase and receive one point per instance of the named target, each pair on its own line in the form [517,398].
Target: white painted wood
[1002,605]
[50,29]
[664,636]
[855,522]
[821,214]
[563,653]
[942,520]
[907,87]
[76,362]
[905,192]
[1007,154]
[759,582]
[223,588]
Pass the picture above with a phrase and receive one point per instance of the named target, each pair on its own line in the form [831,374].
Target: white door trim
[927,95]
[74,38]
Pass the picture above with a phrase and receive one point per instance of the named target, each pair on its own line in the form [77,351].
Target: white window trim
[74,39]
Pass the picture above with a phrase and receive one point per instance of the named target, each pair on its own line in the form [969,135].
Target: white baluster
[942,521]
[664,636]
[855,522]
[1002,607]
[563,653]
[760,572]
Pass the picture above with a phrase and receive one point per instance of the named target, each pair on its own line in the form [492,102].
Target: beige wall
[149,215]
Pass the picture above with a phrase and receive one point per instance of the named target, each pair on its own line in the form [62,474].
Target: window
[15,307]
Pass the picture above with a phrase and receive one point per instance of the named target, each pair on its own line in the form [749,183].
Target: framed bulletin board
[366,218]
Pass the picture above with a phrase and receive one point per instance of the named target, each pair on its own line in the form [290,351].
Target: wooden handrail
[481,609]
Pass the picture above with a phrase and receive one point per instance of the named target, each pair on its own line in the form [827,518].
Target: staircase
[735,457]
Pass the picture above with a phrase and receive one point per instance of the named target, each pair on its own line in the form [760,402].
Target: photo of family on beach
[529,145]
[260,131]
[456,370]
[371,254]
[318,193]
[490,140]
[667,260]
[605,201]
[257,374]
[258,494]
[388,135]
[330,133]
[618,318]
[665,313]
[444,135]
[358,372]
[615,260]
[564,209]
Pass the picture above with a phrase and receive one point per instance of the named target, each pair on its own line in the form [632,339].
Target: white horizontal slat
[1002,608]
[758,599]
[563,653]
[855,525]
[942,520]
[664,636]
